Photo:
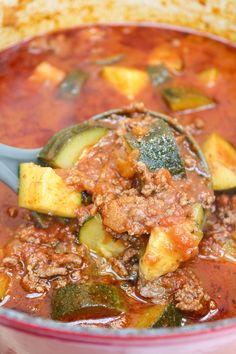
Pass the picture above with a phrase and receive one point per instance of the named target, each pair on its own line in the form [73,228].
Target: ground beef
[44,258]
[182,287]
[220,236]
[131,198]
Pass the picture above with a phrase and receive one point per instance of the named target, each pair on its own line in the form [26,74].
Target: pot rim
[40,327]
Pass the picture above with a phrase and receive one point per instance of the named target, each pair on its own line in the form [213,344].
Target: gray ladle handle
[10,158]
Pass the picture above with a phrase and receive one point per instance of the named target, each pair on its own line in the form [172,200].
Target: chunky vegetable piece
[159,74]
[129,82]
[199,215]
[71,85]
[171,317]
[185,98]
[160,256]
[168,56]
[84,301]
[93,235]
[65,147]
[165,249]
[4,285]
[221,158]
[111,59]
[42,190]
[148,316]
[209,76]
[158,149]
[46,72]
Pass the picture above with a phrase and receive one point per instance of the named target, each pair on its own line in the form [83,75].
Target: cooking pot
[22,334]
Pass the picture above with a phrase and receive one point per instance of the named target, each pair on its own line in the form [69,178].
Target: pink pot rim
[67,332]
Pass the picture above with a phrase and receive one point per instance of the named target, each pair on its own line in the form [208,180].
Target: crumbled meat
[34,255]
[131,198]
[220,236]
[119,267]
[182,286]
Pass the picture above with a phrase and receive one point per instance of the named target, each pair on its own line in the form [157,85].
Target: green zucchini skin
[158,149]
[93,235]
[184,98]
[65,147]
[159,74]
[84,301]
[111,59]
[71,85]
[171,317]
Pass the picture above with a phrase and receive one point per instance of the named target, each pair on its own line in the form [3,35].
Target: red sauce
[31,112]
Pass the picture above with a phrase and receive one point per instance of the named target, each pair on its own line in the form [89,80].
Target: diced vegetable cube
[127,81]
[42,190]
[111,59]
[84,301]
[46,72]
[162,254]
[221,158]
[94,236]
[168,56]
[71,85]
[4,285]
[147,316]
[65,147]
[158,149]
[159,74]
[185,98]
[171,317]
[209,76]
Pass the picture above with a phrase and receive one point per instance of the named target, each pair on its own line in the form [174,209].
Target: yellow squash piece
[128,82]
[4,285]
[147,316]
[166,55]
[209,76]
[162,255]
[221,158]
[42,190]
[46,72]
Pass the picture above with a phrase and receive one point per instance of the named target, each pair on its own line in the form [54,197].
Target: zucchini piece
[94,236]
[65,147]
[164,54]
[86,301]
[221,158]
[147,317]
[129,82]
[185,98]
[159,74]
[162,255]
[158,149]
[171,317]
[4,285]
[209,76]
[47,73]
[40,220]
[70,87]
[42,190]
[110,60]
[199,215]
[229,250]
[86,198]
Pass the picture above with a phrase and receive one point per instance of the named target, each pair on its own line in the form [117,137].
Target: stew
[121,222]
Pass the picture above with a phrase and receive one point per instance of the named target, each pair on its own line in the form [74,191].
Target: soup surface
[61,79]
